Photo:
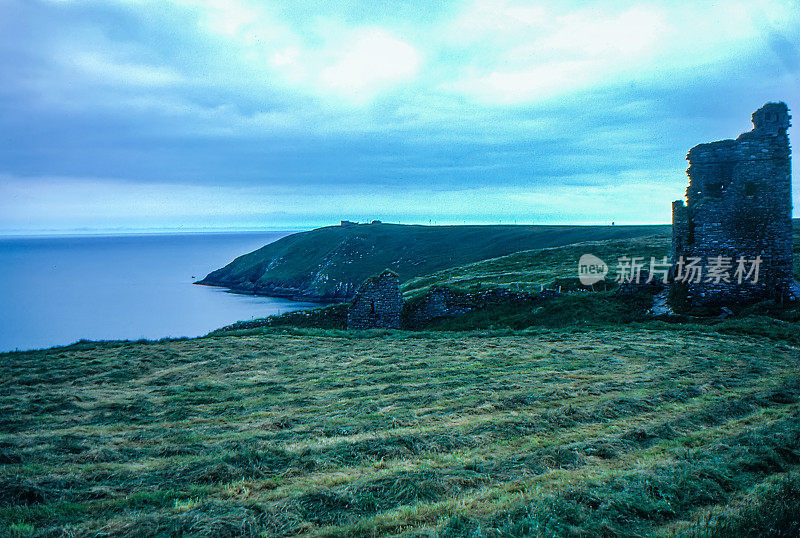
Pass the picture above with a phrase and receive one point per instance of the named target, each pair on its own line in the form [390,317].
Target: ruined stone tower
[738,207]
[377,303]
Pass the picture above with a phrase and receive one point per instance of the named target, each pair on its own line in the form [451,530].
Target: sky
[148,115]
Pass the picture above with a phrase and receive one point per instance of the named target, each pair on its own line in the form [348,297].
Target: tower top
[772,118]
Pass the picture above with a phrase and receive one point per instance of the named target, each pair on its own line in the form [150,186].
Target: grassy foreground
[647,429]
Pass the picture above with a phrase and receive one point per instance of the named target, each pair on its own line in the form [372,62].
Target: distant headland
[328,264]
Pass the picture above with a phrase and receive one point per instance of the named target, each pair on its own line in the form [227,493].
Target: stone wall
[437,303]
[739,204]
[442,302]
[377,303]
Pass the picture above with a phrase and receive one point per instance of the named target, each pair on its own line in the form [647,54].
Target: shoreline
[297,297]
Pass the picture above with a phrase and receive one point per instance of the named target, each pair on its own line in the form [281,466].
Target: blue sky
[186,114]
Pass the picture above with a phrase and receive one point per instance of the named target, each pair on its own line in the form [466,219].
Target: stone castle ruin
[738,213]
[377,303]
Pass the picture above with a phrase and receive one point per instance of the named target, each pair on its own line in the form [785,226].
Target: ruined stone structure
[738,205]
[437,303]
[443,302]
[377,303]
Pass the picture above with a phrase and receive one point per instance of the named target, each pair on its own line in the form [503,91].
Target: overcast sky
[192,114]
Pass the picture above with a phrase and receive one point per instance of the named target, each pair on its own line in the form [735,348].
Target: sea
[55,290]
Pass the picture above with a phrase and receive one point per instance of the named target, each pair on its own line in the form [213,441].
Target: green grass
[326,317]
[530,270]
[601,309]
[577,415]
[331,262]
[652,429]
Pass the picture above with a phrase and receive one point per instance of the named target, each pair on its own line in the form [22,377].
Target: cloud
[372,61]
[324,58]
[344,106]
[105,70]
[102,203]
[526,55]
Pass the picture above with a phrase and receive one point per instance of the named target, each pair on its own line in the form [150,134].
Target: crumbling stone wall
[377,303]
[437,303]
[442,302]
[739,204]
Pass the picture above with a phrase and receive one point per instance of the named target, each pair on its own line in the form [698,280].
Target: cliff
[329,263]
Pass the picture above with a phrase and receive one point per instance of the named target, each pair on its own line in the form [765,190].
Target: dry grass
[612,432]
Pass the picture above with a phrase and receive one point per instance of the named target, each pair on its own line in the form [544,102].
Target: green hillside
[530,270]
[329,263]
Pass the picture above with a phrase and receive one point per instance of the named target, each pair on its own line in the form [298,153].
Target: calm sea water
[56,290]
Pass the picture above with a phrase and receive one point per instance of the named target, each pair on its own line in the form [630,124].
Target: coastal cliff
[328,264]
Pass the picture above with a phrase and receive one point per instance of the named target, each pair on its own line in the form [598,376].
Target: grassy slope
[646,429]
[636,431]
[529,270]
[330,262]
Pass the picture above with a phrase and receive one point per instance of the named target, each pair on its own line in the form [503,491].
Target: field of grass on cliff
[529,271]
[654,429]
[331,262]
[532,269]
[578,416]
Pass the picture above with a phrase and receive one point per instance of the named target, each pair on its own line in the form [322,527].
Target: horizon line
[105,232]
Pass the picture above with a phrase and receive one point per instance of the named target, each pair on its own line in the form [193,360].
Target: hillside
[329,263]
[527,271]
[653,430]
[530,270]
[578,416]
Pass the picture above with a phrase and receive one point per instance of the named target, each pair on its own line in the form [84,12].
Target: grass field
[573,416]
[530,270]
[648,429]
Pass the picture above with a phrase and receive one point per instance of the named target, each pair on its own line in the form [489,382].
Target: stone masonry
[377,303]
[738,205]
[443,302]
